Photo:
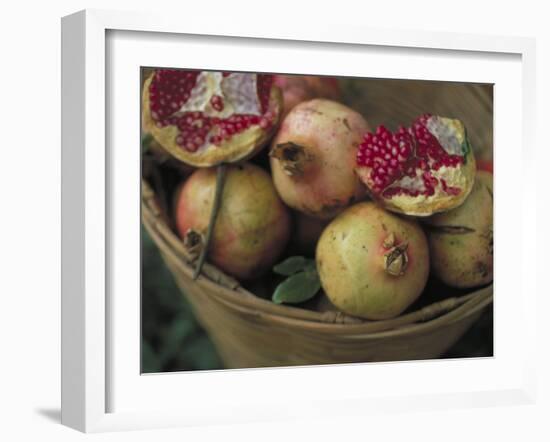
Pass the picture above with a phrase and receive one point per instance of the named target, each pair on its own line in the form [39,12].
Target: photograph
[302,220]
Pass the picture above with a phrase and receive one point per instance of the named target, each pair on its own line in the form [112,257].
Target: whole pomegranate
[421,170]
[206,118]
[252,226]
[461,240]
[298,88]
[372,263]
[313,158]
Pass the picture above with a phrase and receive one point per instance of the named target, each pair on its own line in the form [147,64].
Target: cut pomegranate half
[206,118]
[421,170]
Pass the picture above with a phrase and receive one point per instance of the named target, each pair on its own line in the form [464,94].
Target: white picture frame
[89,316]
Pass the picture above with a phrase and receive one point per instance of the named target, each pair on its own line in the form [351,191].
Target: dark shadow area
[51,414]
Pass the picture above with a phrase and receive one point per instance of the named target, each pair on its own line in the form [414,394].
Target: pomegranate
[421,170]
[298,88]
[461,240]
[486,165]
[313,158]
[206,118]
[372,263]
[252,225]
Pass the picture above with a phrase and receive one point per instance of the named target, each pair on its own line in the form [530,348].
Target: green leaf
[311,266]
[293,265]
[297,288]
[466,146]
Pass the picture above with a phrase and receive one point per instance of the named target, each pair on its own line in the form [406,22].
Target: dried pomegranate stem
[220,180]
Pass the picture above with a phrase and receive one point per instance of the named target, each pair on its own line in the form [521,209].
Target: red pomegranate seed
[401,154]
[170,89]
[217,103]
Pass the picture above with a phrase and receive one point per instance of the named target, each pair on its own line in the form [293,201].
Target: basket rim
[365,330]
[228,291]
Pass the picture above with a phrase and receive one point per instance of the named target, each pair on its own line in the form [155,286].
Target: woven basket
[250,331]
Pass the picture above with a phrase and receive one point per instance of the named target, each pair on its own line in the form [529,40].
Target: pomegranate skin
[353,262]
[461,240]
[486,165]
[299,88]
[313,158]
[252,227]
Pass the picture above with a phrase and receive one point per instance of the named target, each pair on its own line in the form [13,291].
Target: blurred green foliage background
[172,339]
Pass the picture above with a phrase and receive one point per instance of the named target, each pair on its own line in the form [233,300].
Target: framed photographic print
[295,210]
